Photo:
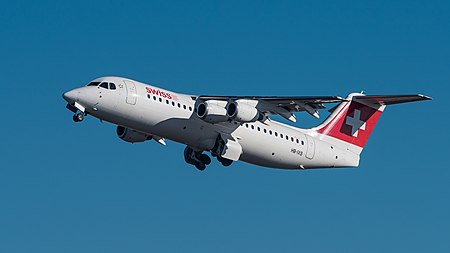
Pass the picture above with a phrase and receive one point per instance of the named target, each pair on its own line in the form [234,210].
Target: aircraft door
[311,147]
[131,92]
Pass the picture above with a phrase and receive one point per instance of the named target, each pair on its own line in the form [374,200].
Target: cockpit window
[93,84]
[104,85]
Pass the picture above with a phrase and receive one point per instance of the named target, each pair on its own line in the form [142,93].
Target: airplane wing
[284,106]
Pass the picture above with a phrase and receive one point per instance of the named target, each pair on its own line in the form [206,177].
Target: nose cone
[70,96]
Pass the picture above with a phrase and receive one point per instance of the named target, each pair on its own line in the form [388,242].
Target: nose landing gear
[79,111]
[78,117]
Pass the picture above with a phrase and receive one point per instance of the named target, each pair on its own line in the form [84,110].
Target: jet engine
[212,111]
[130,135]
[242,112]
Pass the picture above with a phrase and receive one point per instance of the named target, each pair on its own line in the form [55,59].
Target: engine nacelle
[130,135]
[212,111]
[242,112]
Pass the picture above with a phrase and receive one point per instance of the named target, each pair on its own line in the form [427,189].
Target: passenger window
[104,85]
[160,99]
[173,103]
[265,130]
[179,106]
[253,127]
[112,86]
[154,98]
[276,134]
[270,132]
[167,101]
[148,96]
[259,129]
[281,135]
[303,143]
[190,108]
[184,107]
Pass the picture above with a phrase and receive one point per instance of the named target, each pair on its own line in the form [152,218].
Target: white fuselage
[172,116]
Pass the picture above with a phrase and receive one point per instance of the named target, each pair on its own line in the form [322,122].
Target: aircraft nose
[70,96]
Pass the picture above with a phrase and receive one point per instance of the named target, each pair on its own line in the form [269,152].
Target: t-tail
[351,122]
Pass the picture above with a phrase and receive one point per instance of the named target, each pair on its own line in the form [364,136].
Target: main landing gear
[196,158]
[217,150]
[200,160]
[225,162]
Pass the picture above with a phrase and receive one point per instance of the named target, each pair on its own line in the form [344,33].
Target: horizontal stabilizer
[389,99]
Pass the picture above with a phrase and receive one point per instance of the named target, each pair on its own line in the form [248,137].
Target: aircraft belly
[192,132]
[268,152]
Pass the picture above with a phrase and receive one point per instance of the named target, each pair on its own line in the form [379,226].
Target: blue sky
[67,187]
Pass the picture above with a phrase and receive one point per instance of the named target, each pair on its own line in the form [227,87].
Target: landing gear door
[232,150]
[131,92]
[311,147]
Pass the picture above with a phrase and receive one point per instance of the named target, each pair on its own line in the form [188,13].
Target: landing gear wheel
[78,117]
[225,162]
[196,158]
[205,159]
[200,166]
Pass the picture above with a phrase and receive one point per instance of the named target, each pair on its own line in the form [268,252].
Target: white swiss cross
[356,123]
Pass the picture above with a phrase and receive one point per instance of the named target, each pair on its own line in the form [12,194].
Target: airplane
[236,128]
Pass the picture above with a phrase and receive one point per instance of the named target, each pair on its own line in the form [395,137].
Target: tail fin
[352,121]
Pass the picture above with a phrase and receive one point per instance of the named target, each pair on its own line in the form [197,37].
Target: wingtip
[425,97]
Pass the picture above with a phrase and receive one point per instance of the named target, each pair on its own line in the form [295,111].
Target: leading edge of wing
[305,99]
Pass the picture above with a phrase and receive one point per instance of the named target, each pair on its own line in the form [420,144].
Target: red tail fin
[352,121]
